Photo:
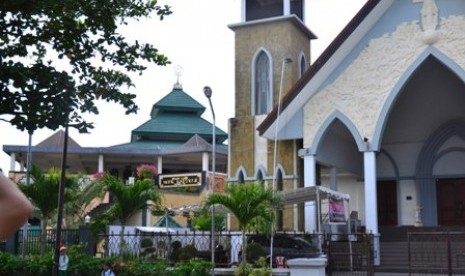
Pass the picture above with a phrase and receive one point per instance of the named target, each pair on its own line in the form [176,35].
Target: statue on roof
[429,14]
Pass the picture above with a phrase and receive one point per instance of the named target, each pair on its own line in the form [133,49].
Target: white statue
[429,20]
[429,14]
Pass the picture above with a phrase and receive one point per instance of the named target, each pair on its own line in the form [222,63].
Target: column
[100,163]
[12,161]
[371,214]
[371,205]
[310,181]
[205,161]
[160,164]
[333,179]
[287,7]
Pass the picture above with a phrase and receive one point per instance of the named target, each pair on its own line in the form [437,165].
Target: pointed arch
[302,64]
[403,80]
[279,169]
[428,156]
[262,82]
[391,160]
[260,174]
[240,175]
[336,115]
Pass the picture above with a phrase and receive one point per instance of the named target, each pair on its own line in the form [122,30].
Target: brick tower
[272,50]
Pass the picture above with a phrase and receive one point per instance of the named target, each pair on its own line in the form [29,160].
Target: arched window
[241,178]
[259,176]
[303,65]
[262,84]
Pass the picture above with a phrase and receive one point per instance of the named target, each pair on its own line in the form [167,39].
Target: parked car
[284,245]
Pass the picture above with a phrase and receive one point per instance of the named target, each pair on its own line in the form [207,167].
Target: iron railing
[441,253]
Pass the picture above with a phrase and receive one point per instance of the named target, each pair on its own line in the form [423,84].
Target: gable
[389,35]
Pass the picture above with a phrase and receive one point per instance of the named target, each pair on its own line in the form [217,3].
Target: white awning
[312,193]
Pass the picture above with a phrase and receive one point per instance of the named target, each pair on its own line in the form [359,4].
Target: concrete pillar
[12,161]
[310,181]
[100,163]
[205,161]
[371,205]
[160,164]
[307,266]
[333,179]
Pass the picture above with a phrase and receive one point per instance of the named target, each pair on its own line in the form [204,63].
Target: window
[303,65]
[262,85]
[241,178]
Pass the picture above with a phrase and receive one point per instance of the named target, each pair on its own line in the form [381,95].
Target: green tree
[203,221]
[43,192]
[249,203]
[58,57]
[75,209]
[128,199]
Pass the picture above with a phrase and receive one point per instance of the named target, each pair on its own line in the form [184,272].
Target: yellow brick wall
[281,39]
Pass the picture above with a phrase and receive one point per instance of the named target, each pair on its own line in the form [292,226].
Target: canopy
[313,193]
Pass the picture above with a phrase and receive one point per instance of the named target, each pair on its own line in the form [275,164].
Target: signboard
[337,213]
[180,180]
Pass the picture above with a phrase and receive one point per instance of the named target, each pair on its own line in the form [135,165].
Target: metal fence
[347,254]
[440,253]
[31,243]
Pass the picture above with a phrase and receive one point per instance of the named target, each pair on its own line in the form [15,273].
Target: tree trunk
[121,241]
[244,248]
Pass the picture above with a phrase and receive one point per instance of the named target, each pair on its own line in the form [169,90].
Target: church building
[378,116]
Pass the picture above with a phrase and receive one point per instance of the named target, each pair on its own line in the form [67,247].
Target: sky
[195,38]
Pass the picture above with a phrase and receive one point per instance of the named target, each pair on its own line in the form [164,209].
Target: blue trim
[425,181]
[336,115]
[396,91]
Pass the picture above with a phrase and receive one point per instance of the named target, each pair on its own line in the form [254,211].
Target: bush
[9,263]
[194,268]
[146,242]
[254,252]
[243,270]
[85,265]
[187,253]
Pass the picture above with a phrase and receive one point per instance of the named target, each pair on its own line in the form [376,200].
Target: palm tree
[43,193]
[76,208]
[129,199]
[250,203]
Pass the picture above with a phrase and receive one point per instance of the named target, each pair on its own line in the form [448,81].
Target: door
[450,198]
[387,203]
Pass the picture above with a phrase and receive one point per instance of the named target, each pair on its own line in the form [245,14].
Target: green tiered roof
[175,119]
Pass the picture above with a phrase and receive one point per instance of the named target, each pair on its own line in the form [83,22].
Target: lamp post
[208,93]
[275,153]
[61,193]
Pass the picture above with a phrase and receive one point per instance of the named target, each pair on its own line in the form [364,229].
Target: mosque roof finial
[178,72]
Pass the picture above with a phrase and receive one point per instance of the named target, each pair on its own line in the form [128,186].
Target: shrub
[9,263]
[187,253]
[254,252]
[146,242]
[243,270]
[194,268]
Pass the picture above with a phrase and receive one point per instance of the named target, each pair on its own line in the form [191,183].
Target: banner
[337,212]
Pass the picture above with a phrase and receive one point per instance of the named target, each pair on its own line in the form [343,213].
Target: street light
[208,93]
[275,153]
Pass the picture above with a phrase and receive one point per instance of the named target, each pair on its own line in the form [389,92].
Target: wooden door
[450,199]
[387,203]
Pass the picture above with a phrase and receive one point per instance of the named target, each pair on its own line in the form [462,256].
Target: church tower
[272,50]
